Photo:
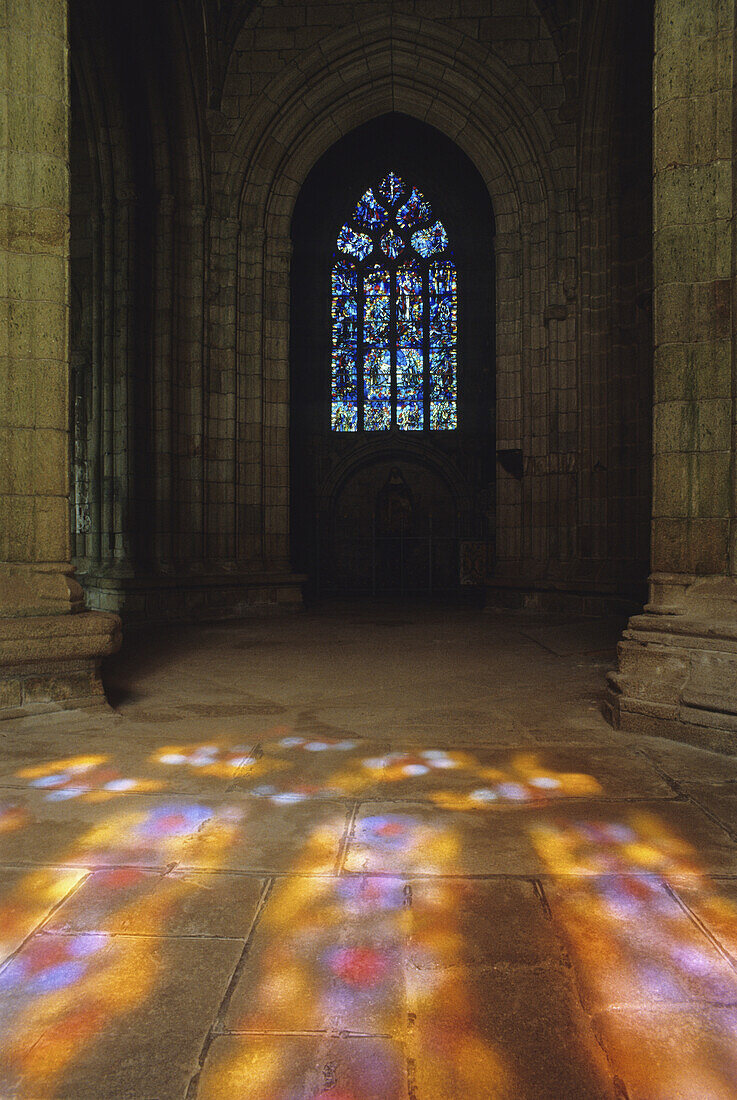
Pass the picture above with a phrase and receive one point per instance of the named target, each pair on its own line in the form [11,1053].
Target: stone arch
[439,463]
[439,76]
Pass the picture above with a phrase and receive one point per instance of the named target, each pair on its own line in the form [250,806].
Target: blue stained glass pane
[345,322]
[409,306]
[409,389]
[392,244]
[442,278]
[443,387]
[370,213]
[345,278]
[409,279]
[377,389]
[345,390]
[356,244]
[391,188]
[376,281]
[443,333]
[429,241]
[409,321]
[376,320]
[344,416]
[416,210]
[443,317]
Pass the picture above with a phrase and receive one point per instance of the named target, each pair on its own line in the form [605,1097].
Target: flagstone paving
[364,853]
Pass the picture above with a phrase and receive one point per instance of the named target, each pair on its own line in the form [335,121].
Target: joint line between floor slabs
[217,1027]
[347,837]
[40,927]
[270,873]
[694,918]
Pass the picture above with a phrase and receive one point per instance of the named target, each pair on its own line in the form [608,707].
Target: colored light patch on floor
[635,947]
[12,817]
[208,759]
[347,955]
[88,778]
[27,898]
[327,954]
[403,843]
[304,1068]
[714,904]
[353,953]
[188,903]
[68,989]
[525,779]
[129,1026]
[669,1052]
[158,834]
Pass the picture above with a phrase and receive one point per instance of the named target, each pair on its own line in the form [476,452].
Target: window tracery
[394,316]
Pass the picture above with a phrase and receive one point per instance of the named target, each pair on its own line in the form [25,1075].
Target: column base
[677,667]
[52,662]
[157,598]
[557,597]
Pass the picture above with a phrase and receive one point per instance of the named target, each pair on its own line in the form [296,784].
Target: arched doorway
[398,499]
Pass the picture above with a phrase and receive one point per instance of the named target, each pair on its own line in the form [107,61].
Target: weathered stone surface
[677,668]
[10,694]
[719,800]
[401,838]
[37,585]
[672,1051]
[83,829]
[33,640]
[53,661]
[138,1027]
[175,929]
[645,942]
[556,1056]
[148,903]
[28,899]
[256,1066]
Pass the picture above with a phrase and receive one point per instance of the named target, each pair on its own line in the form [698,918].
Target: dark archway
[349,533]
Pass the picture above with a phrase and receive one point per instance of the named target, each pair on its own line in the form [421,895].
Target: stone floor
[365,854]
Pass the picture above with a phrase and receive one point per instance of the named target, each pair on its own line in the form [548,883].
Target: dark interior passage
[391,511]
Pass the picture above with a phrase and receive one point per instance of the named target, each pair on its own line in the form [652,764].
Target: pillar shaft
[678,661]
[693,499]
[36,577]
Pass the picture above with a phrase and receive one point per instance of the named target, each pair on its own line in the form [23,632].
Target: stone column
[678,661]
[49,646]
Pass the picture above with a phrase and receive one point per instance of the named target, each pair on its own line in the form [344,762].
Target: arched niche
[448,476]
[470,95]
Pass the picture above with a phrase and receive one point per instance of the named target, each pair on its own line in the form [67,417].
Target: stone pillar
[50,648]
[677,670]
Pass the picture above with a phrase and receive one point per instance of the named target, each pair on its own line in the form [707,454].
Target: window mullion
[393,340]
[360,306]
[426,347]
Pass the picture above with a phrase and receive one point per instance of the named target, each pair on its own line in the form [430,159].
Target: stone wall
[188,172]
[49,652]
[490,76]
[678,662]
[192,138]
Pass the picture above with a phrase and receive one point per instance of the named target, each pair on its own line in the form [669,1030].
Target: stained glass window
[394,316]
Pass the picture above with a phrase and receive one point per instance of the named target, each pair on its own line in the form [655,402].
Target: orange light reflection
[640,960]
